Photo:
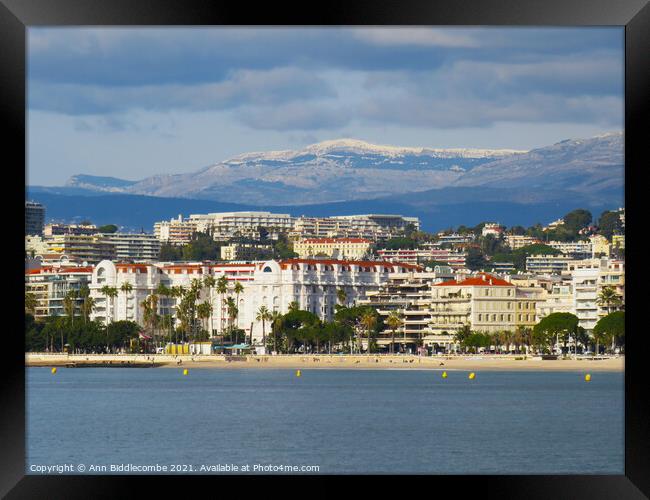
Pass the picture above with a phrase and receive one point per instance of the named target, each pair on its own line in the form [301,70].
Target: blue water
[356,421]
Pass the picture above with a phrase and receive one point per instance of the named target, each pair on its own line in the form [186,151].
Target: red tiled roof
[362,263]
[335,240]
[477,281]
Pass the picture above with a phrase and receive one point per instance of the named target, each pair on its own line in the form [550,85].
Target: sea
[271,421]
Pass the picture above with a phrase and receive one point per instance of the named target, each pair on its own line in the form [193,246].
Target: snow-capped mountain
[348,169]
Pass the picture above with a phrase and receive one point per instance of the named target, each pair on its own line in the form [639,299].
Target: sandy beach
[461,362]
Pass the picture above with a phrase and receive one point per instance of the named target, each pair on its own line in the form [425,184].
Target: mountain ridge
[349,169]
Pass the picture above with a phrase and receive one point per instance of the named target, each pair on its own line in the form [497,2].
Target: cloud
[250,87]
[426,37]
[288,79]
[420,111]
[296,116]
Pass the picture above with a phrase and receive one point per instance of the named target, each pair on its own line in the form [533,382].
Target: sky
[135,102]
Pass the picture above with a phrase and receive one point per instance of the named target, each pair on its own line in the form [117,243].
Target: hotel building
[312,283]
[334,248]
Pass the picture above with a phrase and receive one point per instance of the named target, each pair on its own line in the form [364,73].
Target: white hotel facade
[312,283]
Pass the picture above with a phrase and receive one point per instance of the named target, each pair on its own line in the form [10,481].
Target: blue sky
[133,102]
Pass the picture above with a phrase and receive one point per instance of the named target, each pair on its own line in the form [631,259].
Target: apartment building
[226,225]
[76,229]
[580,288]
[455,238]
[175,232]
[428,252]
[50,284]
[134,246]
[84,248]
[516,241]
[434,309]
[369,226]
[547,264]
[575,249]
[34,218]
[334,248]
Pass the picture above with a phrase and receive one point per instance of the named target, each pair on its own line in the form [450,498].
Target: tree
[69,304]
[203,311]
[475,259]
[298,326]
[462,334]
[170,252]
[263,315]
[394,321]
[577,219]
[209,282]
[608,298]
[222,289]
[108,228]
[277,321]
[369,321]
[150,313]
[239,288]
[30,303]
[233,312]
[610,327]
[609,224]
[126,288]
[108,292]
[554,326]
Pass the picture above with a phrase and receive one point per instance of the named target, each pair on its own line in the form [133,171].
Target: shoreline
[331,362]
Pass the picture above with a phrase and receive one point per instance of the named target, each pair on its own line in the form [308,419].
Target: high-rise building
[34,218]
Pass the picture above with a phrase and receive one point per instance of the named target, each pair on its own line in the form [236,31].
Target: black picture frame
[17,15]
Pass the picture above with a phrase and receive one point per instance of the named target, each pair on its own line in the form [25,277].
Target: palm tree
[126,288]
[369,320]
[69,303]
[108,292]
[203,311]
[238,288]
[88,306]
[30,303]
[150,313]
[222,289]
[609,298]
[164,291]
[394,321]
[233,312]
[209,282]
[294,306]
[263,315]
[276,324]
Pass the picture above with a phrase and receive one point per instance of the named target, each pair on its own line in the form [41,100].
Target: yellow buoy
[298,373]
[472,376]
[185,371]
[444,374]
[587,377]
[53,370]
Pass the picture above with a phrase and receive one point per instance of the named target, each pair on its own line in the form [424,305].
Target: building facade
[311,283]
[334,248]
[34,218]
[134,246]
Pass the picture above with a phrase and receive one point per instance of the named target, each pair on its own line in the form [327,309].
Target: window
[267,269]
